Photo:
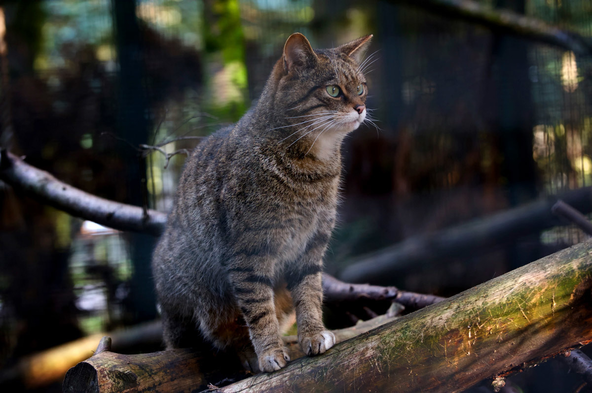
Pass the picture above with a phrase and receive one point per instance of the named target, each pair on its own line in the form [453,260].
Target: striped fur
[255,209]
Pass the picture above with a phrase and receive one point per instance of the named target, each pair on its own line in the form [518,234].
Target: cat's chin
[351,126]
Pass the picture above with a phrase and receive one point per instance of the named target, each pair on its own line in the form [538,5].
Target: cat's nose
[359,108]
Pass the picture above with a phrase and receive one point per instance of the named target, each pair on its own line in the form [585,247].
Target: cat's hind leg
[181,332]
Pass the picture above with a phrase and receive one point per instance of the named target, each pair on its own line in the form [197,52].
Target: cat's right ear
[297,52]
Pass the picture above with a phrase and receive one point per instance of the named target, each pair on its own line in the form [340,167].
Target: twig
[336,291]
[505,21]
[148,148]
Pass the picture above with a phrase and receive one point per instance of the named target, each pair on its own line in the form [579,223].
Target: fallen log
[49,366]
[493,329]
[471,238]
[176,370]
[490,330]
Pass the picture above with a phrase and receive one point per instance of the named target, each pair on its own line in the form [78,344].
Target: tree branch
[335,291]
[505,21]
[466,239]
[49,190]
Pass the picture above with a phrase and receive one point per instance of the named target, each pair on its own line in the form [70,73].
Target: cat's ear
[298,52]
[357,48]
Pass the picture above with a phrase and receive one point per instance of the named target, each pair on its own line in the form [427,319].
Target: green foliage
[224,51]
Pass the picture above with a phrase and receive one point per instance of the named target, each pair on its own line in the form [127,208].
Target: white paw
[318,343]
[273,360]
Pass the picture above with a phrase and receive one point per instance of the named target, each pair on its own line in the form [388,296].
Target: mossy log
[178,370]
[493,329]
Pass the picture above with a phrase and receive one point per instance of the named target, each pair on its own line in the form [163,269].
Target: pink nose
[359,108]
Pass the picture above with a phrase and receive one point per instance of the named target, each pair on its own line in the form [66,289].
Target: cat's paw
[249,361]
[317,343]
[273,359]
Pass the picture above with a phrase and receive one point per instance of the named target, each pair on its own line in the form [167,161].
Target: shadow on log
[493,329]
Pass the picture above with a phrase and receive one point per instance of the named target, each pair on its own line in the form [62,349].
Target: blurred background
[472,122]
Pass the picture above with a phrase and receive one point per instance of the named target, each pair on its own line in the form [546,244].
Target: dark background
[472,122]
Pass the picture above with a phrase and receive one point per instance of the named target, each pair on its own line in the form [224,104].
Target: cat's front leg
[305,285]
[254,294]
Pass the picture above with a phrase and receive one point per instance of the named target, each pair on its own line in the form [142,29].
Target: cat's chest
[299,228]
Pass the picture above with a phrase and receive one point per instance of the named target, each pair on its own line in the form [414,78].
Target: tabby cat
[255,208]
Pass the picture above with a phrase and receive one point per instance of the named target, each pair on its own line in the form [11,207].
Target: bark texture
[178,370]
[534,311]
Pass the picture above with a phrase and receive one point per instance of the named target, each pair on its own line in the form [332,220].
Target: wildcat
[255,209]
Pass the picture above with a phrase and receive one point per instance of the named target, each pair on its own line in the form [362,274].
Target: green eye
[360,90]
[333,90]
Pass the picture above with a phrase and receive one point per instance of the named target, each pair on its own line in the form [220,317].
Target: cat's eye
[333,90]
[360,89]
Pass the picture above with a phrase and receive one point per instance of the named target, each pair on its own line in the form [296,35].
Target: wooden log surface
[534,311]
[50,365]
[175,370]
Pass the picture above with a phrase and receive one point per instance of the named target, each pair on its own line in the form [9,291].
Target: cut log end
[82,378]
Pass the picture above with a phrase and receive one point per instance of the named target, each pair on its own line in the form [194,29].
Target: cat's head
[321,93]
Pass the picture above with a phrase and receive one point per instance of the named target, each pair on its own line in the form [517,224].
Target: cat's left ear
[357,48]
[298,52]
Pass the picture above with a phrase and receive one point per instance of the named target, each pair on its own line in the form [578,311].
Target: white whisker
[371,120]
[365,62]
[304,122]
[316,128]
[312,114]
[321,122]
[315,141]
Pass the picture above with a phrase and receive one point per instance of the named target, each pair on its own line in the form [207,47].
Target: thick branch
[505,21]
[467,239]
[453,242]
[538,310]
[175,370]
[49,190]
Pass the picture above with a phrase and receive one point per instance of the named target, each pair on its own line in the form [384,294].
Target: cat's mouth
[352,125]
[355,123]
